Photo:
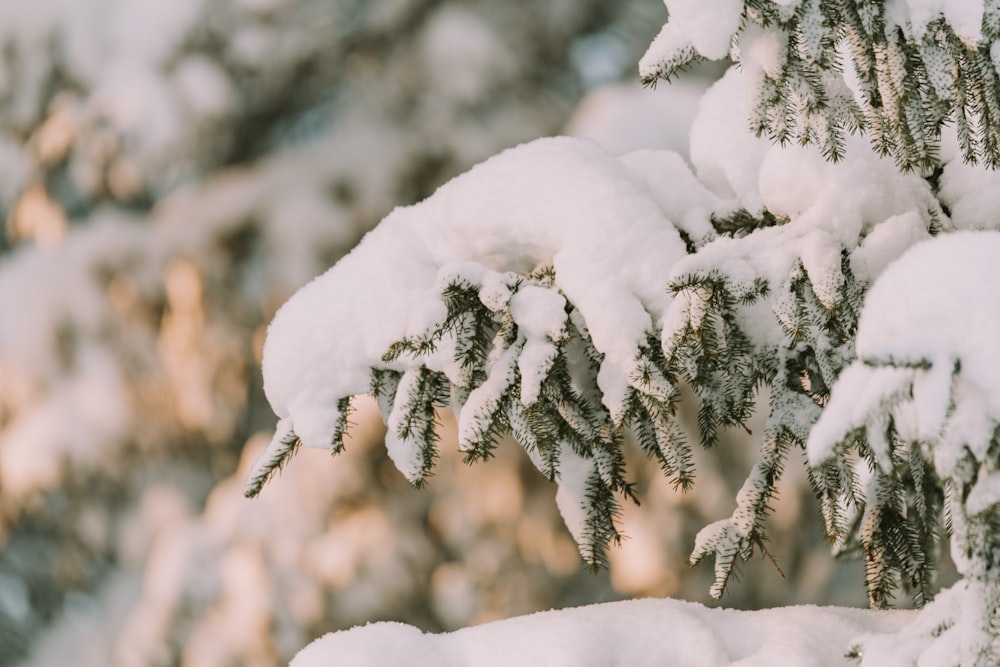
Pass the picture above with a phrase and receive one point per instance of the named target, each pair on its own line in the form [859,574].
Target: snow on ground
[638,633]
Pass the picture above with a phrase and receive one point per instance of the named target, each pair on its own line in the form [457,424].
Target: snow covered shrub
[563,295]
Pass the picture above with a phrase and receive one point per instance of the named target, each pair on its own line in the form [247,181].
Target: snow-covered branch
[820,69]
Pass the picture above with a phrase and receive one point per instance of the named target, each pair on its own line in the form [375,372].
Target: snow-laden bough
[925,393]
[526,295]
[821,69]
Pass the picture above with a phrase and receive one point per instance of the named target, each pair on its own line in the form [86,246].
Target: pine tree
[563,295]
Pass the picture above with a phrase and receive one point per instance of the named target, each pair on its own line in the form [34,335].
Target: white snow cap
[932,311]
[708,24]
[559,202]
[939,302]
[964,16]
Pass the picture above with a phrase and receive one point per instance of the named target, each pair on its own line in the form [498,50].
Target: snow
[725,154]
[404,449]
[533,365]
[571,497]
[971,193]
[670,45]
[539,312]
[680,195]
[970,427]
[919,326]
[709,24]
[762,52]
[820,256]
[595,212]
[887,242]
[496,288]
[964,16]
[485,399]
[634,632]
[985,494]
[913,315]
[931,398]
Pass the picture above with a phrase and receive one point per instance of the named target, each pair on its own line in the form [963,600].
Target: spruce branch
[742,222]
[911,82]
[602,510]
[412,423]
[281,448]
[737,537]
[660,436]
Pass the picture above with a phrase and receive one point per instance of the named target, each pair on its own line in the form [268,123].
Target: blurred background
[170,172]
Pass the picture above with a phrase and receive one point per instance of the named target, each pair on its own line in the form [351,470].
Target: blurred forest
[170,172]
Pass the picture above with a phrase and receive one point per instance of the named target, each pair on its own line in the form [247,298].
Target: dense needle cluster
[829,66]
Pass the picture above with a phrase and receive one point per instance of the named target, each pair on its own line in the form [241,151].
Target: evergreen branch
[483,418]
[285,443]
[741,222]
[344,411]
[543,451]
[671,65]
[714,354]
[661,438]
[384,384]
[482,441]
[910,82]
[472,322]
[602,510]
[281,448]
[413,419]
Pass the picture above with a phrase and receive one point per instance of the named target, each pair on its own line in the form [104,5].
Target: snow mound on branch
[918,329]
[559,202]
[912,314]
[918,326]
[827,208]
[634,632]
[707,26]
[964,16]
